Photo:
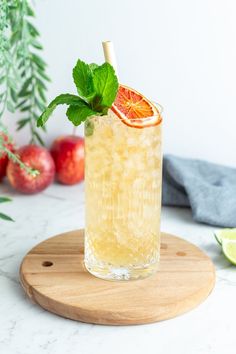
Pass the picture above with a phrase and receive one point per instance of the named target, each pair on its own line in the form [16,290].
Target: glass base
[110,272]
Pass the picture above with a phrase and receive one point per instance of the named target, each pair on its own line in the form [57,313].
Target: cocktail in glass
[123,170]
[123,176]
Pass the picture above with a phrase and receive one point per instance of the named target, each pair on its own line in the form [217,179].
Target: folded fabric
[209,189]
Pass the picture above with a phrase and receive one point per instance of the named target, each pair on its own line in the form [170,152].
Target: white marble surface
[28,329]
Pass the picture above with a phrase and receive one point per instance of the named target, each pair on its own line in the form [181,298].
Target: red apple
[3,155]
[37,158]
[68,154]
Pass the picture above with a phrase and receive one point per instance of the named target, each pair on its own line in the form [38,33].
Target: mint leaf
[82,75]
[61,99]
[78,113]
[105,85]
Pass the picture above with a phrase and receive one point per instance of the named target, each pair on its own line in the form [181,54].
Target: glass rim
[138,120]
[159,107]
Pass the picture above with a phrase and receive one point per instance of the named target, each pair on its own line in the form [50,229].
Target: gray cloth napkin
[209,189]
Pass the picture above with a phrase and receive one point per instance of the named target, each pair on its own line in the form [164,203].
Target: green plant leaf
[15,37]
[22,122]
[97,87]
[41,93]
[12,83]
[105,85]
[38,137]
[78,113]
[5,217]
[42,74]
[5,199]
[38,61]
[83,79]
[25,108]
[35,115]
[93,66]
[36,44]
[13,94]
[23,92]
[20,104]
[30,11]
[20,64]
[10,107]
[32,29]
[66,98]
[40,83]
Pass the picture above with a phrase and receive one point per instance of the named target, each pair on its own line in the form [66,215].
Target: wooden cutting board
[53,275]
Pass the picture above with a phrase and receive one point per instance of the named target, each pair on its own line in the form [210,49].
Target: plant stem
[14,157]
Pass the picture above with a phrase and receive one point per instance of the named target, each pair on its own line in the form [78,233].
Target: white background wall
[181,53]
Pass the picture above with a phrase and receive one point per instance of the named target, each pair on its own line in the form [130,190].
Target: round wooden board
[53,275]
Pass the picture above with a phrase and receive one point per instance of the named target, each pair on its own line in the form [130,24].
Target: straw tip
[107,43]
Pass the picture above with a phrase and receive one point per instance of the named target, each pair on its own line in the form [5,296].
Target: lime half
[229,250]
[225,234]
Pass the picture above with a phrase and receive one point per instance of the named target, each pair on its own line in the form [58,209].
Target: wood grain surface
[53,275]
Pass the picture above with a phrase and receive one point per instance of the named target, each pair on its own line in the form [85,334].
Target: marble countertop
[26,328]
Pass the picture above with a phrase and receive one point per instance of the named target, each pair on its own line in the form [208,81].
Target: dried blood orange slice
[134,109]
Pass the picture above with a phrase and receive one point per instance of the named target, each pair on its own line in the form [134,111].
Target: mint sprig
[97,88]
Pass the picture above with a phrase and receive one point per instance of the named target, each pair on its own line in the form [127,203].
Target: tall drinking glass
[123,178]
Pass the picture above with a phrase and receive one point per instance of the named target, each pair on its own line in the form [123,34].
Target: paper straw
[109,54]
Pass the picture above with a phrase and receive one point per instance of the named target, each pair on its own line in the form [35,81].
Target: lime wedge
[229,250]
[225,234]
